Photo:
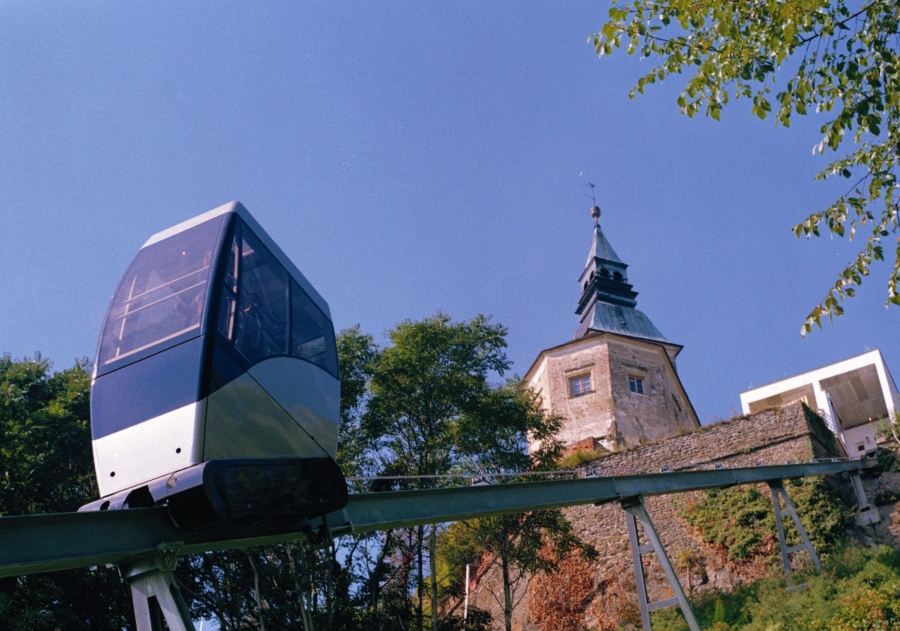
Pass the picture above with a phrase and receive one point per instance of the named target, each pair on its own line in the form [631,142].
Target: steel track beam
[44,543]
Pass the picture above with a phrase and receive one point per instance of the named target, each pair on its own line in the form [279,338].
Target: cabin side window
[161,299]
[262,318]
[312,334]
[264,313]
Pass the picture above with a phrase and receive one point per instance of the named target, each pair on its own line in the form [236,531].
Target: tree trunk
[432,554]
[420,534]
[330,554]
[375,576]
[304,617]
[504,561]
[259,609]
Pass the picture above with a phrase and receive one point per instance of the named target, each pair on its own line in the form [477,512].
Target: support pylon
[780,494]
[634,507]
[155,594]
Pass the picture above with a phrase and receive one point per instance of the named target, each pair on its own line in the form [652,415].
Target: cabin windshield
[162,296]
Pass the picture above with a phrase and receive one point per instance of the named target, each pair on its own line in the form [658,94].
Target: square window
[580,385]
[636,384]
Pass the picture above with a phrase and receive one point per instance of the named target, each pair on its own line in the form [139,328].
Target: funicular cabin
[216,379]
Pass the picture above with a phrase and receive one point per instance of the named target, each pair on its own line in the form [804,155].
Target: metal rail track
[44,543]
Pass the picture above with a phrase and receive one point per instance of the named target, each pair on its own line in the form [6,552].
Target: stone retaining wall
[769,438]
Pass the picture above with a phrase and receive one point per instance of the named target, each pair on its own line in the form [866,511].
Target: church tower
[614,384]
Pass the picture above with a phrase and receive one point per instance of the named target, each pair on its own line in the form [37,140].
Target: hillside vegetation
[859,590]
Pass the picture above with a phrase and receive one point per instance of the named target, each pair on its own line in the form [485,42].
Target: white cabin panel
[147,450]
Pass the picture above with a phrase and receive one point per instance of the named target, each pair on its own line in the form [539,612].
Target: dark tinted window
[254,309]
[162,296]
[261,320]
[312,334]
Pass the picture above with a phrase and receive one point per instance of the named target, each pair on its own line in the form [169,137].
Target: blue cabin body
[214,347]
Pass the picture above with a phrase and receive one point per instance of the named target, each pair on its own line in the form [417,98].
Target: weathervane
[595,209]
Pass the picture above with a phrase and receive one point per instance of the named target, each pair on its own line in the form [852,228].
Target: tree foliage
[494,436]
[433,371]
[839,58]
[46,466]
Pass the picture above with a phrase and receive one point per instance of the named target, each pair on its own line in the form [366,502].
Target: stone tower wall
[770,437]
[658,413]
[612,413]
[587,415]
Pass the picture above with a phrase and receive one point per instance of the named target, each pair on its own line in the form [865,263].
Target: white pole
[466,606]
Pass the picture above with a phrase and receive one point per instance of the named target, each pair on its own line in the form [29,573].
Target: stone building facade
[610,413]
[771,437]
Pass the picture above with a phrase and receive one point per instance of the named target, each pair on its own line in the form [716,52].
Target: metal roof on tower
[607,303]
[601,248]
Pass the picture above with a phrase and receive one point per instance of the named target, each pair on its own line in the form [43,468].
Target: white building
[849,394]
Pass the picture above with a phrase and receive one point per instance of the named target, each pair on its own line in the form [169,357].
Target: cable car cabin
[215,388]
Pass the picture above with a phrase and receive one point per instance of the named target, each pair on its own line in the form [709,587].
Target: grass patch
[580,457]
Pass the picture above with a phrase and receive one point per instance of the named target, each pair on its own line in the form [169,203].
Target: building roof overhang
[860,388]
[593,337]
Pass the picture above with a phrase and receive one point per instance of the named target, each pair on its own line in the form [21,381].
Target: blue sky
[410,158]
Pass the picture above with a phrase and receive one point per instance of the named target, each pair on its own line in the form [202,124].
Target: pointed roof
[607,303]
[601,249]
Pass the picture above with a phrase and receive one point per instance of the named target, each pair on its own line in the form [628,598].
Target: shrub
[740,521]
[886,460]
[859,590]
[580,457]
[886,497]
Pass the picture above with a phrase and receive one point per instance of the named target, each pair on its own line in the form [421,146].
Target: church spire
[605,276]
[607,302]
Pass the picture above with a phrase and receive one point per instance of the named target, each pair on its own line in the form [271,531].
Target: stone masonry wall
[661,411]
[770,437]
[610,412]
[588,415]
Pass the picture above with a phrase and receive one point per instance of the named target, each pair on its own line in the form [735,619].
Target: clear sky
[411,157]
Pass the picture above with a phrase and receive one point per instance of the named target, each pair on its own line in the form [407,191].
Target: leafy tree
[840,58]
[356,351]
[421,385]
[46,466]
[494,434]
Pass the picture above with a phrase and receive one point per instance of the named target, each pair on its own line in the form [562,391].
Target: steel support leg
[634,507]
[154,592]
[778,494]
[866,514]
